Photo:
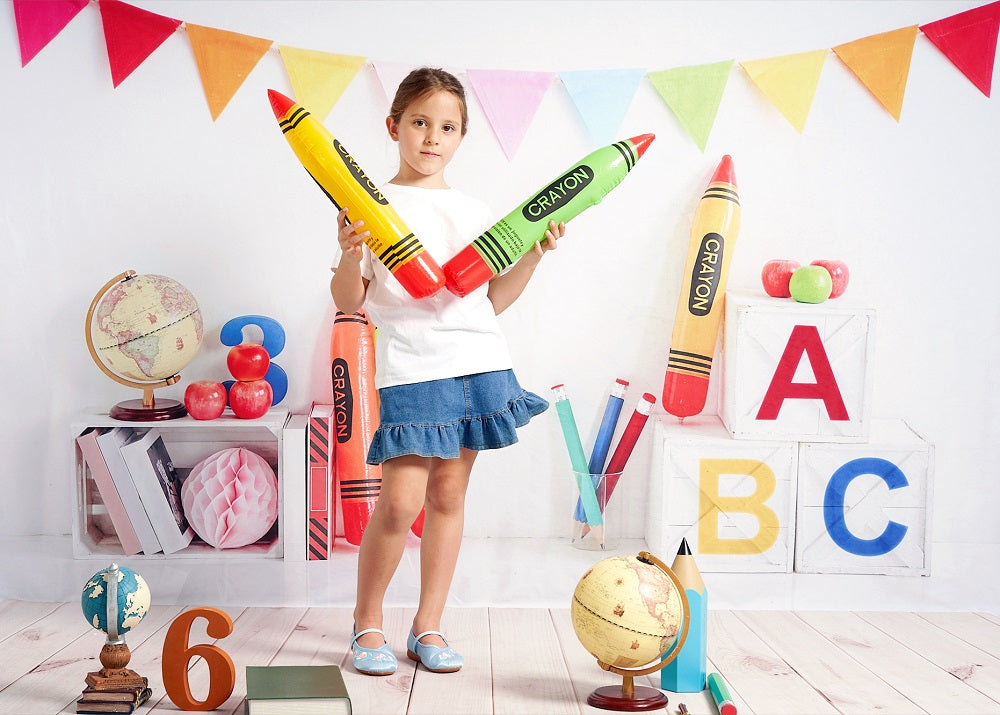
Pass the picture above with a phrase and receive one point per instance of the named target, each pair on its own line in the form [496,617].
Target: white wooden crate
[865,508]
[776,347]
[717,493]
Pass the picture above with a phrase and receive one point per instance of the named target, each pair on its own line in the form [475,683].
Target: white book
[111,443]
[159,488]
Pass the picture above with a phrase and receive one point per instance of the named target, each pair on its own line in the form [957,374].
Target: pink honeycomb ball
[230,499]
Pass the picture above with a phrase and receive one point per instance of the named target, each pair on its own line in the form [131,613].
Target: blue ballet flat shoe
[373,661]
[432,657]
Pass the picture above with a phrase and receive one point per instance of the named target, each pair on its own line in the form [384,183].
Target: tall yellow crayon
[346,184]
[714,229]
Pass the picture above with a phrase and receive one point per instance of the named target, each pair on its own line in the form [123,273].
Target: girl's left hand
[552,235]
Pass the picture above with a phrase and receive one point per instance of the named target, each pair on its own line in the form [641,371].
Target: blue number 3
[274,342]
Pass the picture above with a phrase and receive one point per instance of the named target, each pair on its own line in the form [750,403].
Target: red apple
[838,272]
[205,400]
[775,276]
[248,362]
[250,399]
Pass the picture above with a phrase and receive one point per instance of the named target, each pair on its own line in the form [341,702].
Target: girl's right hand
[350,236]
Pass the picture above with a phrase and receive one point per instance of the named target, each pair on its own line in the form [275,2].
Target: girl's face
[428,132]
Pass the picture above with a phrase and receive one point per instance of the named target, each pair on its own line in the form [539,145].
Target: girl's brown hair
[422,81]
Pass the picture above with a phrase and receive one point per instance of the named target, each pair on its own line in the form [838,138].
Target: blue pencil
[602,445]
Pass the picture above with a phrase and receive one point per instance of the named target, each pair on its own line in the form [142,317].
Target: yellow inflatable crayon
[345,184]
[714,229]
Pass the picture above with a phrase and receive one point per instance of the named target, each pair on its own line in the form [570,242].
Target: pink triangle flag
[39,21]
[509,99]
[602,97]
[389,75]
[131,35]
[969,40]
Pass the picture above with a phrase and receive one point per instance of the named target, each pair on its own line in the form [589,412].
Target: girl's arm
[347,286]
[505,288]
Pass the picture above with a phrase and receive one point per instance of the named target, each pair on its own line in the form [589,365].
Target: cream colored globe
[626,612]
[147,327]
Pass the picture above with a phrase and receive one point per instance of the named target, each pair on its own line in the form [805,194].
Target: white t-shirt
[443,335]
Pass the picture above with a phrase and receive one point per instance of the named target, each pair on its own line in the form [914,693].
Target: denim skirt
[437,417]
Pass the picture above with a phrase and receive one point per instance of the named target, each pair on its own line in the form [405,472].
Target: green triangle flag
[693,94]
[789,82]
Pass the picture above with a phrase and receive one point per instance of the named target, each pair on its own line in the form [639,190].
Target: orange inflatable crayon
[714,229]
[344,182]
[355,419]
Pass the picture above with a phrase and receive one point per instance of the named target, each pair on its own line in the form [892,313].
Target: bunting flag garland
[131,35]
[789,82]
[509,99]
[602,97]
[882,63]
[318,78]
[969,40]
[225,59]
[693,94]
[39,21]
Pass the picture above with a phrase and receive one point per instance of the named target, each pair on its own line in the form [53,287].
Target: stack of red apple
[821,279]
[249,397]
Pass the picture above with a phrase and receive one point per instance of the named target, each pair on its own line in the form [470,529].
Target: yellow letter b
[712,504]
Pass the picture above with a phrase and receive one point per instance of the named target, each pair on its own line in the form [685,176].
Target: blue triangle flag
[602,97]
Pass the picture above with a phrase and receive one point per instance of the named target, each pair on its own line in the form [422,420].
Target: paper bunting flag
[319,78]
[693,94]
[509,99]
[224,59]
[602,97]
[969,40]
[390,74]
[789,82]
[131,35]
[39,21]
[882,63]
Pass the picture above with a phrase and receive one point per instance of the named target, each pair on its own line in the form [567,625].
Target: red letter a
[804,339]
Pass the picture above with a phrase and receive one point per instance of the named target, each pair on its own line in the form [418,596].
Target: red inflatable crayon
[700,307]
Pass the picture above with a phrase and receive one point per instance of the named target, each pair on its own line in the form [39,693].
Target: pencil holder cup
[597,524]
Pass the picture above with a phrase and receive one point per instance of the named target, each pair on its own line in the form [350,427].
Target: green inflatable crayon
[583,186]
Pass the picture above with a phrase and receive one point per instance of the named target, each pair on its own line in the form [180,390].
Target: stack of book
[115,700]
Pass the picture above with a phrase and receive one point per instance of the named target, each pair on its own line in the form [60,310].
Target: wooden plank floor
[528,661]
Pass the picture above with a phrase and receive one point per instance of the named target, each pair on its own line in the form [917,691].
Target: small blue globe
[133,599]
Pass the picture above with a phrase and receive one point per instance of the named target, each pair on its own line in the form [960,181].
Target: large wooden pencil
[687,672]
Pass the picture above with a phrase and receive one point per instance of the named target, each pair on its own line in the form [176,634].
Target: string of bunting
[510,98]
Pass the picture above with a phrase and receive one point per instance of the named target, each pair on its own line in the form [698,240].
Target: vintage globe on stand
[629,612]
[141,331]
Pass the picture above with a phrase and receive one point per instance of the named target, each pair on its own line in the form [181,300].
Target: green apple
[810,284]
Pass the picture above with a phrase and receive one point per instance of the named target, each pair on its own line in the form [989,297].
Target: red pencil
[625,445]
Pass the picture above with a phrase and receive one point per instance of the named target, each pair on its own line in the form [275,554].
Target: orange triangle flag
[789,82]
[224,59]
[969,40]
[319,78]
[132,35]
[882,63]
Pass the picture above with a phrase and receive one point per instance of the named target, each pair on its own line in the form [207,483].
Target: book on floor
[159,486]
[112,701]
[296,690]
[111,443]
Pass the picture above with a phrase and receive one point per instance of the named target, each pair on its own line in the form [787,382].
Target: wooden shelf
[188,442]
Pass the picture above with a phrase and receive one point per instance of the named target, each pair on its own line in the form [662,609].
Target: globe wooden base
[613,697]
[114,674]
[137,411]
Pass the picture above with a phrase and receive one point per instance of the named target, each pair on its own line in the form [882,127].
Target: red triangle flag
[969,40]
[131,35]
[39,21]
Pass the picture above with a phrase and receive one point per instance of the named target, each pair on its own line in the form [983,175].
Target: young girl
[443,372]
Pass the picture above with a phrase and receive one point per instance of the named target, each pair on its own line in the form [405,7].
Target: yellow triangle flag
[224,59]
[319,78]
[882,63]
[789,82]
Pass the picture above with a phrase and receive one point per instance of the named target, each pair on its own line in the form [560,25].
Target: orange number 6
[177,654]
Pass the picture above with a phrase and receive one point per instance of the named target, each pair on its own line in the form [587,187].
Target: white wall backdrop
[97,180]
